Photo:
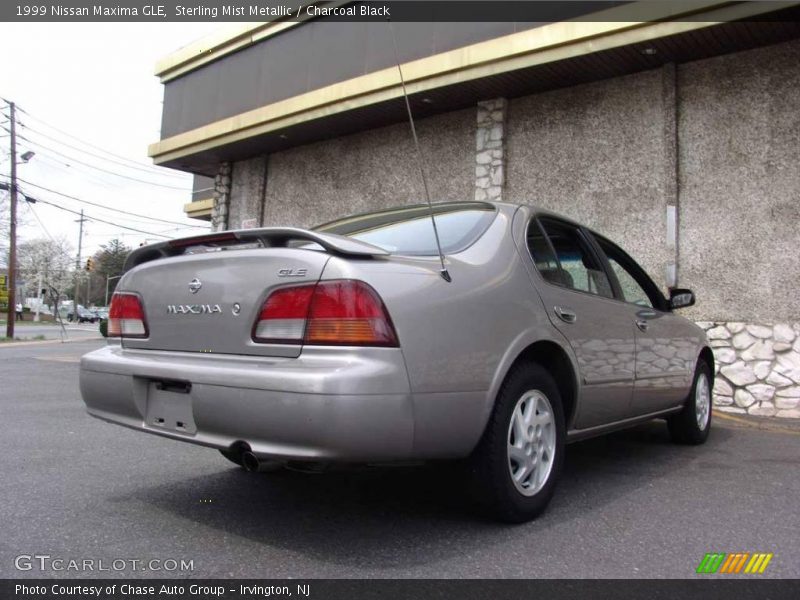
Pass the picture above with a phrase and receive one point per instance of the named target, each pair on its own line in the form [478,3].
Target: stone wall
[490,149]
[222,198]
[758,367]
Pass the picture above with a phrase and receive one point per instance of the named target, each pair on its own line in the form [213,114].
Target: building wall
[320,182]
[596,153]
[249,179]
[718,140]
[739,131]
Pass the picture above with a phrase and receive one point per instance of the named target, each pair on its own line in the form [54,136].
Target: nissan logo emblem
[195,285]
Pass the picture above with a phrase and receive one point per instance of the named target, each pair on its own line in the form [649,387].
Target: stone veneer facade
[490,149]
[758,367]
[222,196]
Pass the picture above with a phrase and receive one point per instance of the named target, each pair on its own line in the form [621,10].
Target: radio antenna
[443,270]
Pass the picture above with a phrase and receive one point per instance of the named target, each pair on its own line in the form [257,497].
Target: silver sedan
[357,342]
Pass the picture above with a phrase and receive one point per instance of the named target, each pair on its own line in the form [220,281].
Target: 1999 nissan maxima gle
[351,343]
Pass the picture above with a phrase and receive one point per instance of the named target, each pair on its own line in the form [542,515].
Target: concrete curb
[763,423]
[45,342]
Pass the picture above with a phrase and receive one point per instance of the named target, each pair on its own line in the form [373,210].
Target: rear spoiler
[271,237]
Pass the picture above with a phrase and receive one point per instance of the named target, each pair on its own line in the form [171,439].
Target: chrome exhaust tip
[252,464]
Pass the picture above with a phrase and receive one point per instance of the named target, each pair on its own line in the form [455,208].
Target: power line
[52,239]
[84,142]
[74,170]
[41,225]
[163,173]
[91,166]
[103,206]
[75,212]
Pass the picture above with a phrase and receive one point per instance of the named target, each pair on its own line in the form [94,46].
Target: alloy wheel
[531,442]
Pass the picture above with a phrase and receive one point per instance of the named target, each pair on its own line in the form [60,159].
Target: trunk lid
[208,302]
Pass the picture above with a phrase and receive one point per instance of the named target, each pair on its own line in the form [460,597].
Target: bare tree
[50,259]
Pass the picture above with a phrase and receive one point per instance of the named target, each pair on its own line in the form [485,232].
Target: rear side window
[410,231]
[578,268]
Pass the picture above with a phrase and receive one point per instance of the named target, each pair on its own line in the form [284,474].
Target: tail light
[126,316]
[329,313]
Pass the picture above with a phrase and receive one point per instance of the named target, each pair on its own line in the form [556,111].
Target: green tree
[108,262]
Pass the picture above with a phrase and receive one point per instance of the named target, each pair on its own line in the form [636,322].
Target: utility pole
[38,297]
[11,314]
[78,265]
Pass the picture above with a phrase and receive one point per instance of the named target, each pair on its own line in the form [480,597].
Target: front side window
[578,267]
[632,284]
[409,231]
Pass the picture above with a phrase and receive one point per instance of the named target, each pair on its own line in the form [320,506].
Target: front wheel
[692,424]
[518,460]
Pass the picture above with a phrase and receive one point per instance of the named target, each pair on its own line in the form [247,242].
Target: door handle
[642,325]
[565,314]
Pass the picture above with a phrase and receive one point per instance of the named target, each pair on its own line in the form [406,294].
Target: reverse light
[126,316]
[329,313]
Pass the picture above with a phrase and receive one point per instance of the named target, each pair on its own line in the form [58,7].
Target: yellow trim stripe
[767,558]
[758,563]
[199,208]
[753,562]
[223,42]
[549,43]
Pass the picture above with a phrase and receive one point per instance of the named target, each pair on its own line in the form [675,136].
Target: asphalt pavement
[630,505]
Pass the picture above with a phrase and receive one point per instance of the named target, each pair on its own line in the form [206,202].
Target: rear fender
[518,347]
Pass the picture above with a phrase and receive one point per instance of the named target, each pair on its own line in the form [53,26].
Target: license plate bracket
[169,406]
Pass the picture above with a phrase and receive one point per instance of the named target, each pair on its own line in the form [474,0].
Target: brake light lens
[283,316]
[329,313]
[126,317]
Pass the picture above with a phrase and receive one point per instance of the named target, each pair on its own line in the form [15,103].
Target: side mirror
[680,298]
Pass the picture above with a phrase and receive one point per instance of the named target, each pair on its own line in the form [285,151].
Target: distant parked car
[83,316]
[350,343]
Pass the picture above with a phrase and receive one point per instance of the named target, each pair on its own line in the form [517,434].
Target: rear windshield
[409,230]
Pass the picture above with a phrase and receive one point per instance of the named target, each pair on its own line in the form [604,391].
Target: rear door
[578,297]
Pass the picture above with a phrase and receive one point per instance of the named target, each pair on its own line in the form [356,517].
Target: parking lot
[629,505]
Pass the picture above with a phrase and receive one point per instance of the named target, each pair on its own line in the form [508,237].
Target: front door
[665,349]
[578,297]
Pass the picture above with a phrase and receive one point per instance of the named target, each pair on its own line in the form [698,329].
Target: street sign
[3,289]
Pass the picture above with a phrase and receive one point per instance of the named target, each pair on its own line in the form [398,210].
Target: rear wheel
[518,460]
[692,424]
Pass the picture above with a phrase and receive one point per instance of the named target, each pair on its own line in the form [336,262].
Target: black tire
[491,478]
[684,427]
[233,456]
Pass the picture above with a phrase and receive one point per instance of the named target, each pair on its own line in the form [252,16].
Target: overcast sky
[93,81]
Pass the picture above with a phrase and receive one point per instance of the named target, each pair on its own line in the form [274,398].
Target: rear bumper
[327,404]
